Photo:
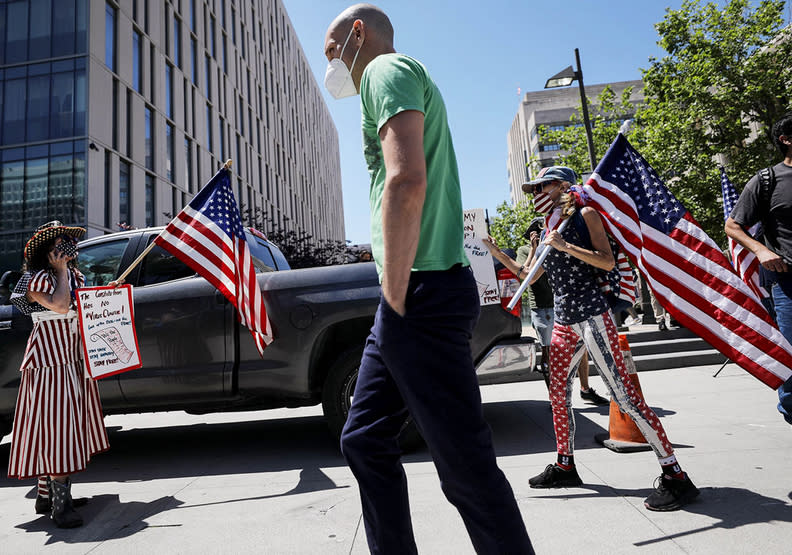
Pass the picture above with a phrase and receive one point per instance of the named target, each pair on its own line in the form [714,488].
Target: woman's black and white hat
[48,231]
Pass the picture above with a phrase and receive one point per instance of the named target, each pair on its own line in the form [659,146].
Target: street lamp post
[564,78]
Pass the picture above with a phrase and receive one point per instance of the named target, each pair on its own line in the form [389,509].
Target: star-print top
[576,294]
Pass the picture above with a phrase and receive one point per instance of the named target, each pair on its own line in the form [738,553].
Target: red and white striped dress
[58,423]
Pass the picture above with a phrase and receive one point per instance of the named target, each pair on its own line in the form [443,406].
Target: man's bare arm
[402,201]
[766,257]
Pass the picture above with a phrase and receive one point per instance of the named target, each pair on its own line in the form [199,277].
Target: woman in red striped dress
[58,423]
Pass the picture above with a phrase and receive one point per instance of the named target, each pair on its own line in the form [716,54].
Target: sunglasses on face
[539,187]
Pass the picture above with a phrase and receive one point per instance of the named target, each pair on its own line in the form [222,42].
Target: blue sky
[479,53]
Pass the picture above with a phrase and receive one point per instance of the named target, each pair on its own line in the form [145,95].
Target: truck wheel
[337,398]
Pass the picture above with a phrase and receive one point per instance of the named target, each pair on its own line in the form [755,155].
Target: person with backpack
[767,198]
[578,255]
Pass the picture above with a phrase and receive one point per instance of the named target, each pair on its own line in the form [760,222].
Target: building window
[177,42]
[152,72]
[115,114]
[209,146]
[225,55]
[151,199]
[129,123]
[169,91]
[188,172]
[208,77]
[192,16]
[169,162]
[137,81]
[221,139]
[194,61]
[149,140]
[110,37]
[124,214]
[212,41]
[233,25]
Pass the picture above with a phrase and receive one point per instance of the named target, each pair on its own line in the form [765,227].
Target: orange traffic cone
[623,435]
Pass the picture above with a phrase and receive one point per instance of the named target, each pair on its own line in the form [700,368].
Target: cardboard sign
[480,258]
[107,329]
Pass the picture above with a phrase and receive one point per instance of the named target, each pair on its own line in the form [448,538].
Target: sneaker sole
[681,502]
[564,484]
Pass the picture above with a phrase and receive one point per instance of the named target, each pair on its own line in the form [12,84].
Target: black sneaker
[556,477]
[593,397]
[671,493]
[661,325]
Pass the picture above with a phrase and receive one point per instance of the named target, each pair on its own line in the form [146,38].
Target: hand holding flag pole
[542,254]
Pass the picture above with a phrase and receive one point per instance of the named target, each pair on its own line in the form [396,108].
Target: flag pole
[152,244]
[539,259]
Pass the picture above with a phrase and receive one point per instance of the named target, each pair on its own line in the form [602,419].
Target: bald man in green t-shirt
[417,359]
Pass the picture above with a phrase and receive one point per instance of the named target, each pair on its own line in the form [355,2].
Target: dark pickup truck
[197,358]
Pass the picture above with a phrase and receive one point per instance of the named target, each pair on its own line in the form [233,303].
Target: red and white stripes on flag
[743,260]
[207,235]
[688,273]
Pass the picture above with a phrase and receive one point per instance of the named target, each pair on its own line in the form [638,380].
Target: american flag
[207,236]
[688,273]
[743,260]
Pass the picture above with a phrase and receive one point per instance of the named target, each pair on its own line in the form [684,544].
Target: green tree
[508,227]
[607,113]
[713,98]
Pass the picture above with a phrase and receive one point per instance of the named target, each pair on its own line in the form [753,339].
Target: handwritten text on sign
[107,327]
[479,257]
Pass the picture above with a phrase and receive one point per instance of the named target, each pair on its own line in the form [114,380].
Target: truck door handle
[5,325]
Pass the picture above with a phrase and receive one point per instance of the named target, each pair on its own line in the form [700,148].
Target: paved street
[273,482]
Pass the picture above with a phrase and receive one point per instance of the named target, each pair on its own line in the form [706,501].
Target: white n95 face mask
[338,78]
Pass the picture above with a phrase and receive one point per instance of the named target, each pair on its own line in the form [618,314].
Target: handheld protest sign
[479,256]
[107,330]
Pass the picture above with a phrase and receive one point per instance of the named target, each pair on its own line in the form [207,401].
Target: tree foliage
[301,250]
[725,79]
[607,113]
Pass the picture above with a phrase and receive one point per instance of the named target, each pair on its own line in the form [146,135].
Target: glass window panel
[169,162]
[160,266]
[78,190]
[2,89]
[192,16]
[11,194]
[16,37]
[62,105]
[209,146]
[188,178]
[136,73]
[100,263]
[149,141]
[39,46]
[61,187]
[81,26]
[14,111]
[151,196]
[177,41]
[110,33]
[194,61]
[169,91]
[35,203]
[63,30]
[2,35]
[80,102]
[38,108]
[208,78]
[124,216]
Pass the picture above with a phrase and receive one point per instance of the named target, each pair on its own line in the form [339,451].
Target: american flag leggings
[599,336]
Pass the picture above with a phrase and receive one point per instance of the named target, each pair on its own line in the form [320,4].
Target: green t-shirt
[393,83]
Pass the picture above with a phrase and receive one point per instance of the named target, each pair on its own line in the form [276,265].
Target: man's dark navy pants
[422,363]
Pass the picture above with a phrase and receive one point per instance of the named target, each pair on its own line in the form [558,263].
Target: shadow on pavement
[299,443]
[106,518]
[731,507]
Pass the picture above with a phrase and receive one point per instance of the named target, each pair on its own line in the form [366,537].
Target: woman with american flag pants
[58,422]
[584,321]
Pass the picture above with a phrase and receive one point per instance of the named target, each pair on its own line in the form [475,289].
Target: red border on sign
[128,289]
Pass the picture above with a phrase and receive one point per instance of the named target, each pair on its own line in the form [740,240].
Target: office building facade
[552,108]
[115,113]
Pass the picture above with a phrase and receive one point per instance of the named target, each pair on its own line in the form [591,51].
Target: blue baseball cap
[552,173]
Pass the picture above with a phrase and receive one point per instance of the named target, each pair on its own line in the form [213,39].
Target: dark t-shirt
[778,227]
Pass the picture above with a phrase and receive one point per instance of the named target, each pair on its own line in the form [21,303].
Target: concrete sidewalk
[273,482]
